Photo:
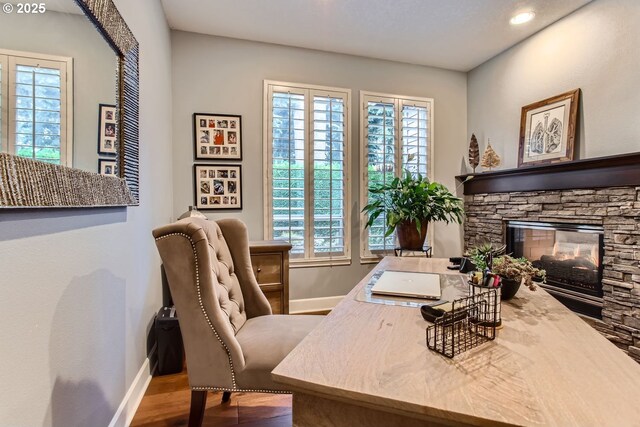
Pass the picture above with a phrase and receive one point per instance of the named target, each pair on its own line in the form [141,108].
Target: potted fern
[409,204]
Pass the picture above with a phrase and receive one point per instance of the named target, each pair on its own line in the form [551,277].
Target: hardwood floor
[166,404]
[167,401]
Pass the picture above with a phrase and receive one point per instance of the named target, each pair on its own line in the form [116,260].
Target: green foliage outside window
[49,155]
[328,204]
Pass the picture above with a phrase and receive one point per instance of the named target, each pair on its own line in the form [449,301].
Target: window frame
[7,115]
[308,90]
[366,256]
[4,101]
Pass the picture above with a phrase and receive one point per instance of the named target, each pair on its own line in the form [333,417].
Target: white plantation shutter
[380,139]
[288,141]
[414,137]
[396,136]
[306,156]
[4,66]
[37,108]
[329,174]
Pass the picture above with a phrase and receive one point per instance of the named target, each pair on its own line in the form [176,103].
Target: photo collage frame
[107,139]
[107,167]
[217,186]
[217,137]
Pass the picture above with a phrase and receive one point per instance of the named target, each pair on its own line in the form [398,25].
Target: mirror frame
[27,183]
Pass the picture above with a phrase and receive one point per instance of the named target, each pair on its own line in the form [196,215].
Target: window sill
[371,259]
[319,262]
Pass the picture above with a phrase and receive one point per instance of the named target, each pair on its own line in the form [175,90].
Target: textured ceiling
[453,34]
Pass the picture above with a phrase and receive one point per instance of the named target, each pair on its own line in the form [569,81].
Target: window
[396,134]
[36,106]
[3,102]
[306,133]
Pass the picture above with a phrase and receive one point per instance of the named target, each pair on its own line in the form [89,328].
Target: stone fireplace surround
[617,209]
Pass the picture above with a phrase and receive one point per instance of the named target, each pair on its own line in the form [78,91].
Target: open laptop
[406,284]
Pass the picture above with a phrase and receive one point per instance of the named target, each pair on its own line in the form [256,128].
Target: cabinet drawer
[267,268]
[275,300]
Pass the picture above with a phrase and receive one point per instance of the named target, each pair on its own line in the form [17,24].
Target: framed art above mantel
[548,130]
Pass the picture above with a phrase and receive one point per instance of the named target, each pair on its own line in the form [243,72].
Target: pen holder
[493,299]
[471,322]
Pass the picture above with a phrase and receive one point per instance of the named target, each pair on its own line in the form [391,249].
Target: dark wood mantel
[611,171]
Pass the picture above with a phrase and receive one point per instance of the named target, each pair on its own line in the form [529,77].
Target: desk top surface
[546,367]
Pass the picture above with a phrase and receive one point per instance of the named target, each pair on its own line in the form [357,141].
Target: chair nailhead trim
[204,312]
[239,390]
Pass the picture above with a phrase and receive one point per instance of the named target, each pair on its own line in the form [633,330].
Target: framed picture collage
[217,137]
[107,139]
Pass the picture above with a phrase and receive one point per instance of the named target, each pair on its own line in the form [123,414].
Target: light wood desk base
[315,411]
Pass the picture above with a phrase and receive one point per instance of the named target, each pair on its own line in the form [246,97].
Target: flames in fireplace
[570,254]
[568,250]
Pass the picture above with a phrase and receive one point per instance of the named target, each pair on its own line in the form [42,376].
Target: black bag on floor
[170,350]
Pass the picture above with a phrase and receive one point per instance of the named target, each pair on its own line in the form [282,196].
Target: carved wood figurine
[490,158]
[474,153]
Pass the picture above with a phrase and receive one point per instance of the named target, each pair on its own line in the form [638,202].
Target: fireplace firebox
[571,254]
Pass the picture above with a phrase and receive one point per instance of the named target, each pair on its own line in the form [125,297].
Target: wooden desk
[368,365]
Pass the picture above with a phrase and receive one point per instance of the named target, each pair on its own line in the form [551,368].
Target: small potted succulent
[514,272]
[409,204]
[482,256]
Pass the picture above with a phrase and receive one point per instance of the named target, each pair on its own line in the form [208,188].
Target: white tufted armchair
[231,339]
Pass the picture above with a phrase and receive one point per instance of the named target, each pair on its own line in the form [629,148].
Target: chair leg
[198,403]
[226,396]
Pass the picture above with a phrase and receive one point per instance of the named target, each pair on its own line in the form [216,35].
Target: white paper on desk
[407,284]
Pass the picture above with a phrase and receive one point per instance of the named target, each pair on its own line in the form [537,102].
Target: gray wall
[220,75]
[79,287]
[594,49]
[94,68]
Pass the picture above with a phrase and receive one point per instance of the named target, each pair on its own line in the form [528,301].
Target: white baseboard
[131,401]
[307,305]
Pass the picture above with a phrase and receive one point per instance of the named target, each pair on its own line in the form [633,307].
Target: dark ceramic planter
[408,236]
[509,289]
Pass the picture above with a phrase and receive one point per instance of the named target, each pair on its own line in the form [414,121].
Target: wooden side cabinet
[270,261]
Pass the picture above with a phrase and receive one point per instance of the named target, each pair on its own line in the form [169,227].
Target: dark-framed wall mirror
[68,105]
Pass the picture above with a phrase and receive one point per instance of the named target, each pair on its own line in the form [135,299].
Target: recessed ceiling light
[521,18]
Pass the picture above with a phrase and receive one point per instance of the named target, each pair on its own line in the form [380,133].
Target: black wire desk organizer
[472,321]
